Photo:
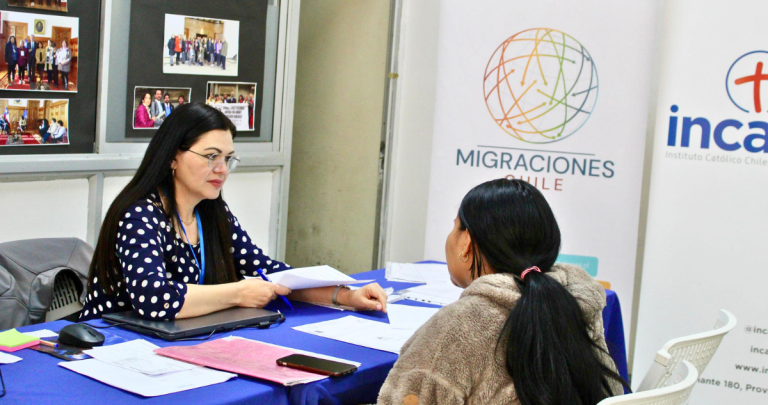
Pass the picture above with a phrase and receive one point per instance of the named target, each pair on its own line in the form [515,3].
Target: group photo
[34,122]
[40,52]
[233,98]
[52,5]
[200,46]
[153,105]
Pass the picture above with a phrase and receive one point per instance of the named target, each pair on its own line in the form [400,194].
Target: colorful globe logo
[540,85]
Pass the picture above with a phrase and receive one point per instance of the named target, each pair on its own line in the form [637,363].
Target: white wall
[249,195]
[43,209]
[174,25]
[50,22]
[412,148]
[113,185]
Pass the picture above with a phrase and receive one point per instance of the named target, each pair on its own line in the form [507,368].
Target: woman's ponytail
[549,353]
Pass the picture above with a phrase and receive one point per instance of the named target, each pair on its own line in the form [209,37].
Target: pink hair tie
[528,270]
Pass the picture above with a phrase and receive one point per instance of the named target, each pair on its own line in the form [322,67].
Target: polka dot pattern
[156,264]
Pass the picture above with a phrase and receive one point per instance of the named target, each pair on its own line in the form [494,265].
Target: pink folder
[19,347]
[242,356]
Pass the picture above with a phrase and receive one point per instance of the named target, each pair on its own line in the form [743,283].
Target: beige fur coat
[451,359]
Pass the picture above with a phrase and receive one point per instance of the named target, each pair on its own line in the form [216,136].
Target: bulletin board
[81,120]
[148,57]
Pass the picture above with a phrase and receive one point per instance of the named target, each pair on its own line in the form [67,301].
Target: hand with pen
[255,293]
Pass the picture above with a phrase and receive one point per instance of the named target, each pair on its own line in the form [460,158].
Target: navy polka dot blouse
[156,264]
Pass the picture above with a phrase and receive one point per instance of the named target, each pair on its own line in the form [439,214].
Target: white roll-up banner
[555,93]
[706,245]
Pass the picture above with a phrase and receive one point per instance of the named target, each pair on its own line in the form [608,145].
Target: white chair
[682,381]
[697,349]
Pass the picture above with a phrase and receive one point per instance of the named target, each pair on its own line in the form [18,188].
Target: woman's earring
[173,172]
[465,260]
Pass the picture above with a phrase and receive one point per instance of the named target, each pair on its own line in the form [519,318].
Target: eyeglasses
[216,160]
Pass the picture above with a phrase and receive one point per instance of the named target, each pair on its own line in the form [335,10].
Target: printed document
[429,273]
[438,294]
[408,317]
[146,385]
[311,277]
[361,332]
[139,356]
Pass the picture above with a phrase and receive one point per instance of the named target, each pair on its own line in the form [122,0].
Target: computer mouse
[80,335]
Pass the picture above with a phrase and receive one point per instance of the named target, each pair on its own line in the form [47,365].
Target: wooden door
[33,109]
[59,34]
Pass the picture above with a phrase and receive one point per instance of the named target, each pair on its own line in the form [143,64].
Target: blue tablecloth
[38,380]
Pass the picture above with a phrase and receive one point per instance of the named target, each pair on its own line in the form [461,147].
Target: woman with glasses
[169,246]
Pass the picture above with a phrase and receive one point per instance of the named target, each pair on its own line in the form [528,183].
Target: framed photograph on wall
[38,122]
[51,5]
[152,104]
[40,52]
[200,46]
[39,27]
[237,100]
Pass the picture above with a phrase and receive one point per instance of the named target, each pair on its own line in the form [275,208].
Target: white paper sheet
[139,356]
[312,277]
[438,294]
[6,358]
[144,385]
[42,333]
[408,317]
[361,332]
[429,273]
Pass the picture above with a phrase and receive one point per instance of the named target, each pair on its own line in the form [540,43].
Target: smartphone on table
[316,365]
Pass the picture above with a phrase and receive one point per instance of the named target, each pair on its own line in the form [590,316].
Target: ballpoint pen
[285,300]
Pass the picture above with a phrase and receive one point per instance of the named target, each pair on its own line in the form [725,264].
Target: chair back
[681,382]
[66,296]
[698,349]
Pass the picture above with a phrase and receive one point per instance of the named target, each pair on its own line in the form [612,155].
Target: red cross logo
[756,79]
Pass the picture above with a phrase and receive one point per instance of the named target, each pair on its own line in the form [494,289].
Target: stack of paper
[311,277]
[361,332]
[246,357]
[438,294]
[133,366]
[429,273]
[12,340]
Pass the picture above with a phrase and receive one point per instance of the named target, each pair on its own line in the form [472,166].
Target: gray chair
[42,279]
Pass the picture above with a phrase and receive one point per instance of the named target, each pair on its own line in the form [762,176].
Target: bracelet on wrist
[336,293]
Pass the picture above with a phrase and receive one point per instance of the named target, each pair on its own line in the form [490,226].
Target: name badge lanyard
[201,263]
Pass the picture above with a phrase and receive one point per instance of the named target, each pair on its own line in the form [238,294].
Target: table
[39,380]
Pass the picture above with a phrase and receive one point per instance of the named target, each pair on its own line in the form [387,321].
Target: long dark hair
[178,132]
[549,353]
